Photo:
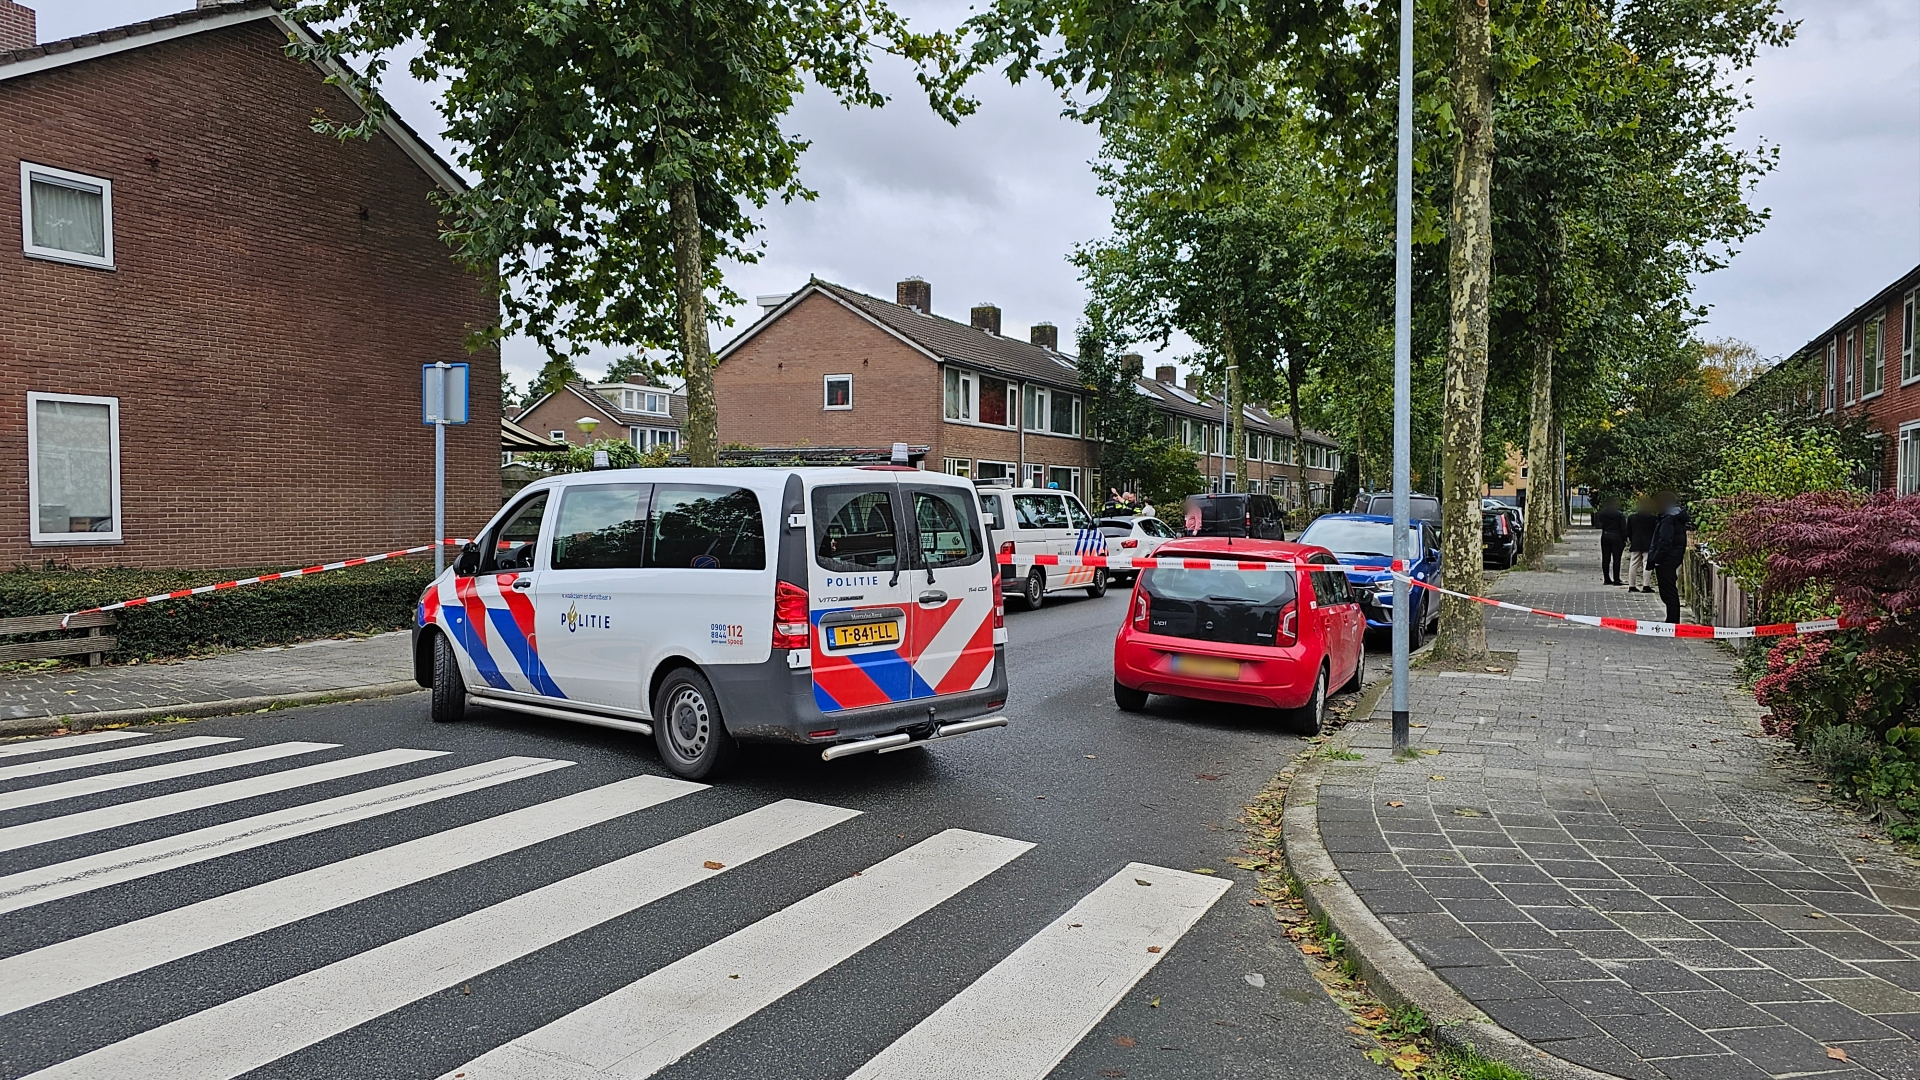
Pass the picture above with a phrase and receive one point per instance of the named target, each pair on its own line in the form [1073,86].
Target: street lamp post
[1402,382]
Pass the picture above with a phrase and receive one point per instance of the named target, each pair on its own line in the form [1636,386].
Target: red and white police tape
[1129,562]
[1639,627]
[179,594]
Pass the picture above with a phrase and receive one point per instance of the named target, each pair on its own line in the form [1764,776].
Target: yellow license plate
[873,633]
[1206,667]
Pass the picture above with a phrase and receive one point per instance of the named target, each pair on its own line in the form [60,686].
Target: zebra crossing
[1034,1004]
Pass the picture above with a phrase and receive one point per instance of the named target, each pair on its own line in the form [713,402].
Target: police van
[856,608]
[1043,521]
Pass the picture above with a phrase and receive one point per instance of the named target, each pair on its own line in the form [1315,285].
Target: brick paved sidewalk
[1605,858]
[348,667]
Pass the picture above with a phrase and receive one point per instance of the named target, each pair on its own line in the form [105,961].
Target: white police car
[858,608]
[1043,521]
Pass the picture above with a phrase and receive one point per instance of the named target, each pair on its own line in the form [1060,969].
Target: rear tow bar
[900,740]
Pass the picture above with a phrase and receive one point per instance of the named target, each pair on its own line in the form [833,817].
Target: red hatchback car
[1278,639]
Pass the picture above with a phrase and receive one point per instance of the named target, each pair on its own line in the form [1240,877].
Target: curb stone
[195,710]
[1390,969]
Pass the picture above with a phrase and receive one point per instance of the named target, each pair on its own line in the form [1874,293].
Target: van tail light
[1129,543]
[791,629]
[1142,607]
[1289,625]
[1006,548]
[999,601]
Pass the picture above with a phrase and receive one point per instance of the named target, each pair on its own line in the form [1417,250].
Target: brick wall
[275,294]
[771,392]
[562,412]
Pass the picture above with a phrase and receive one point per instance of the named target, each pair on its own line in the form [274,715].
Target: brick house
[1865,366]
[640,413]
[830,366]
[211,343]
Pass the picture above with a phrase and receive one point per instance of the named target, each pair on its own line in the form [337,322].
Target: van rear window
[854,529]
[707,528]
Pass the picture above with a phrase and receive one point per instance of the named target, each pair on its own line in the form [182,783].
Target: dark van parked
[1257,516]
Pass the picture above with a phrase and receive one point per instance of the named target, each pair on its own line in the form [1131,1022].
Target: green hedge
[365,599]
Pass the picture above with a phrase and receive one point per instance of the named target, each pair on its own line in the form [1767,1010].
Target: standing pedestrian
[1667,551]
[1613,540]
[1639,538]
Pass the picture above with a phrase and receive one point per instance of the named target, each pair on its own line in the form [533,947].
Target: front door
[592,598]
[950,624]
[859,594]
[493,621]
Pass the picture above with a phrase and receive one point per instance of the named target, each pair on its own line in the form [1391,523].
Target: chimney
[17,29]
[1164,374]
[986,317]
[1133,364]
[914,293]
[1046,335]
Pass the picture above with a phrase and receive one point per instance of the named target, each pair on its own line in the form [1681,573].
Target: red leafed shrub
[1864,551]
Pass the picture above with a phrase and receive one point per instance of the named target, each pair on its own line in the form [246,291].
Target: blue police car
[1367,540]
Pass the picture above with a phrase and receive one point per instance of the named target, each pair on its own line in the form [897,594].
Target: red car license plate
[1205,667]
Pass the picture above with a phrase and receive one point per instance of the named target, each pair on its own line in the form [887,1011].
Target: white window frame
[959,466]
[34,535]
[556,433]
[28,170]
[1831,400]
[1907,458]
[1877,361]
[826,393]
[1039,418]
[964,383]
[1852,355]
[1909,356]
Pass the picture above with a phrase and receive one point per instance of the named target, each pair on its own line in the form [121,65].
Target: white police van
[1043,521]
[857,608]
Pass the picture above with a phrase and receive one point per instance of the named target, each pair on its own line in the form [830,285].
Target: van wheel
[449,688]
[1034,592]
[688,729]
[1099,587]
[1129,699]
[1308,719]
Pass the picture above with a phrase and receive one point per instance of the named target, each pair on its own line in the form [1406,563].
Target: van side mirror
[468,562]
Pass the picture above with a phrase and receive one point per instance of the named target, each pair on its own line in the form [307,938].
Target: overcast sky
[988,211]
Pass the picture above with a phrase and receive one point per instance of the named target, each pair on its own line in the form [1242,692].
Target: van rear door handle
[523,583]
[933,596]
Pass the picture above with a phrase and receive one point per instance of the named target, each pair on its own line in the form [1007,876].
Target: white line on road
[109,817]
[108,757]
[652,1023]
[1043,999]
[92,785]
[246,1033]
[118,951]
[66,742]
[41,884]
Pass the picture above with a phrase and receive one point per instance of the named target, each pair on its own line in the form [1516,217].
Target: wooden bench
[93,643]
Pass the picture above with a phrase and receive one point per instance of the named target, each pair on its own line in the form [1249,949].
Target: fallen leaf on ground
[1089,757]
[1815,915]
[1205,870]
[1357,1029]
[1751,839]
[1436,776]
[1836,1053]
[711,865]
[1257,902]
[1154,1004]
[1141,881]
[1124,1040]
[1312,949]
[1153,948]
[1396,804]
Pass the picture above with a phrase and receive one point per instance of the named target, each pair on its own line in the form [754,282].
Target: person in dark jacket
[1640,527]
[1613,540]
[1667,551]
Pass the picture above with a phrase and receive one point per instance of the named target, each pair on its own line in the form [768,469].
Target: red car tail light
[791,628]
[1289,625]
[1142,607]
[1006,548]
[999,602]
[1129,543]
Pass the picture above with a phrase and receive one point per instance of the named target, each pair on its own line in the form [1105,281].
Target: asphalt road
[107,968]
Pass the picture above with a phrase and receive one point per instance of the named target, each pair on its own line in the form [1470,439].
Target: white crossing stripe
[110,817]
[66,742]
[1038,1003]
[69,966]
[108,757]
[41,884]
[93,785]
[652,1023]
[248,1032]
